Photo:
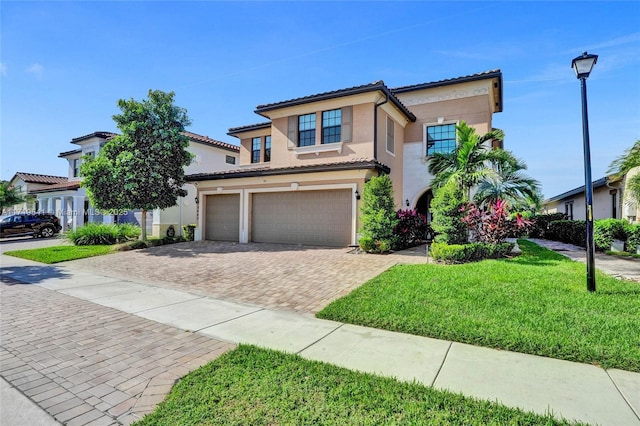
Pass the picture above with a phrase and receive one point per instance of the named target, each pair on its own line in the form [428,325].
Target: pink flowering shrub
[412,229]
[492,225]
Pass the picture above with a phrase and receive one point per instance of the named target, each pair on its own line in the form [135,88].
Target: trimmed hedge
[633,240]
[463,253]
[607,230]
[604,232]
[101,233]
[568,231]
[541,224]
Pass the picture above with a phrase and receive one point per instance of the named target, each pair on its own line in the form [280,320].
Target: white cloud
[36,69]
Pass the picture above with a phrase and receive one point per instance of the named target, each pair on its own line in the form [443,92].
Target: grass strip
[254,386]
[60,253]
[536,303]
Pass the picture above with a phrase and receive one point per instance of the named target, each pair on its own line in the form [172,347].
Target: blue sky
[64,65]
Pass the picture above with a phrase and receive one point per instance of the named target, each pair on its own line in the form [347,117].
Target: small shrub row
[151,242]
[463,253]
[604,232]
[101,234]
[541,224]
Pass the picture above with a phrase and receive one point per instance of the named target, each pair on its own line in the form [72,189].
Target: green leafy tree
[9,195]
[142,168]
[378,214]
[470,161]
[623,165]
[447,208]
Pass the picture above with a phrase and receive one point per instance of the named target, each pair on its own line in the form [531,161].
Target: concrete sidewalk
[571,390]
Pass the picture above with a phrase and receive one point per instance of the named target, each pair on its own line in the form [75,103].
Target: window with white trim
[441,139]
[391,143]
[331,126]
[307,129]
[255,149]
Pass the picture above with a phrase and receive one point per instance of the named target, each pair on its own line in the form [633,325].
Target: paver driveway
[298,278]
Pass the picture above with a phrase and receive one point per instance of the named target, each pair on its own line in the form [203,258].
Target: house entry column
[64,213]
[78,212]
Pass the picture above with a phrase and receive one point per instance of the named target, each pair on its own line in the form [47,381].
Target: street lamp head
[583,64]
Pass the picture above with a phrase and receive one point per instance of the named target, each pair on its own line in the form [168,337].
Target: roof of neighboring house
[63,186]
[580,190]
[234,130]
[371,87]
[355,164]
[464,79]
[98,134]
[206,140]
[38,178]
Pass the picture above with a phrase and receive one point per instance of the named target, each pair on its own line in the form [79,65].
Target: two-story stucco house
[68,200]
[302,172]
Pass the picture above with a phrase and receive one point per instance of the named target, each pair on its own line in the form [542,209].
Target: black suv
[38,224]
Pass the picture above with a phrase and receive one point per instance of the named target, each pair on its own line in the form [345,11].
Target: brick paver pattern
[88,364]
[288,277]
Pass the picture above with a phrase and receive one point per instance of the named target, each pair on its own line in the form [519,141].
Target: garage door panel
[304,217]
[222,217]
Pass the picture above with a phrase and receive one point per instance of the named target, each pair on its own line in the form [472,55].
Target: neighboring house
[26,182]
[302,172]
[609,200]
[69,201]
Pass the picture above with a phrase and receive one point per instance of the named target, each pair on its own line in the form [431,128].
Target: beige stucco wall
[602,204]
[290,182]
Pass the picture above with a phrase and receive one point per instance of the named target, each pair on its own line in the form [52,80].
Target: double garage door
[322,218]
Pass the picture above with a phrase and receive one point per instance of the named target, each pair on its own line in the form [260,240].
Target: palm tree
[470,162]
[508,182]
[623,165]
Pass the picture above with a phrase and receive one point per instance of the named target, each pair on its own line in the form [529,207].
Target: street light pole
[582,66]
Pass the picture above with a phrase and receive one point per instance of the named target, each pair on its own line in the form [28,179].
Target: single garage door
[222,217]
[321,218]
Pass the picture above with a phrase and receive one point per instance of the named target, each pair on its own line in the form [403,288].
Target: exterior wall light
[357,194]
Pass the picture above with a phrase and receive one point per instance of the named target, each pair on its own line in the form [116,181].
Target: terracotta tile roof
[208,141]
[63,186]
[98,134]
[67,153]
[353,164]
[37,178]
[496,73]
[233,130]
[371,87]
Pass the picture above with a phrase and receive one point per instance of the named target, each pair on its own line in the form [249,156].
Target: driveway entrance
[290,277]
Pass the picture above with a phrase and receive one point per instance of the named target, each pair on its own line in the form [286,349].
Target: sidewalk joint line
[622,395]
[229,320]
[321,338]
[446,354]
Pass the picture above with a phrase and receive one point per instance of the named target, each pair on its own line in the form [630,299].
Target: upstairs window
[441,139]
[76,167]
[307,129]
[255,150]
[391,143]
[331,125]
[267,149]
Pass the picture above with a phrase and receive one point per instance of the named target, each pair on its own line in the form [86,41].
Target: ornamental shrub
[541,224]
[492,224]
[412,229]
[607,230]
[447,209]
[462,253]
[568,231]
[378,213]
[633,237]
[102,233]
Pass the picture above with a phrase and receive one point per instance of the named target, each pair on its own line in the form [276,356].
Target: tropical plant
[378,214]
[623,165]
[9,195]
[412,229]
[143,168]
[470,161]
[508,182]
[492,224]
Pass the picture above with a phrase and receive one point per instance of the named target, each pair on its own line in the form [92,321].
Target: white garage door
[222,217]
[321,218]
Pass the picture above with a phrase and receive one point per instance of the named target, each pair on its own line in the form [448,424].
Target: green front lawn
[60,253]
[253,386]
[536,303]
